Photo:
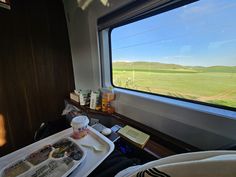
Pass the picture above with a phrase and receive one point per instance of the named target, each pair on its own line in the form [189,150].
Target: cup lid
[79,121]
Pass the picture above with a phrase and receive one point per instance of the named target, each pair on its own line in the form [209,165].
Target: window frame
[169,8]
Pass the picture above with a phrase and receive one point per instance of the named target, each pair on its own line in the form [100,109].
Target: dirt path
[224,95]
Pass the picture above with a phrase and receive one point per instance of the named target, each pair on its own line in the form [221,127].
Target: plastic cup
[80,126]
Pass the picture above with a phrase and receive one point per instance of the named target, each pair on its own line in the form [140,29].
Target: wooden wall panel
[36,67]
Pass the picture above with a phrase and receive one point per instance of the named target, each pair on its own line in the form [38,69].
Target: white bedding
[198,164]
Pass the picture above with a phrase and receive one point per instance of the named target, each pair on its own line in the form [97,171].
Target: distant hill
[145,65]
[162,67]
[223,69]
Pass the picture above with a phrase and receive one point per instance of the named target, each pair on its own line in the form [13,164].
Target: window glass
[187,53]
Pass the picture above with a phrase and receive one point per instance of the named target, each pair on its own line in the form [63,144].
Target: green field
[216,84]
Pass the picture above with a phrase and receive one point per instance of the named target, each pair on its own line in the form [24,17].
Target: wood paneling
[35,67]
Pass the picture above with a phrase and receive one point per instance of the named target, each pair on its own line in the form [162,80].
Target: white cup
[80,126]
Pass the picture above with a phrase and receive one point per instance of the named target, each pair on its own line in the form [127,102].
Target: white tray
[93,158]
[90,160]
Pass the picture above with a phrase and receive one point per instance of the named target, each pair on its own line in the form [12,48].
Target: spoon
[95,148]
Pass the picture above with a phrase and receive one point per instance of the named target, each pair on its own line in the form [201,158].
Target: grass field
[215,85]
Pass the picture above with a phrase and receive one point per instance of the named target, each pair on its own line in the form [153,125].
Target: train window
[187,53]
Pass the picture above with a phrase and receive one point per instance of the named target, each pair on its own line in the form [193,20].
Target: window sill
[183,104]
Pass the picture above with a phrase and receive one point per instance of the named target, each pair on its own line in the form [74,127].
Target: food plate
[59,158]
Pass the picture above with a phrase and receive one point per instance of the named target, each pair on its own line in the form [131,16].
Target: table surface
[159,145]
[109,120]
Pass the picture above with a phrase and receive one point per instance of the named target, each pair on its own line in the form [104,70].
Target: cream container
[80,126]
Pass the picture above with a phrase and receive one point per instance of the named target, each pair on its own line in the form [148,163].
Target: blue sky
[199,34]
